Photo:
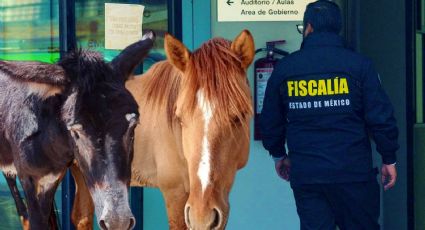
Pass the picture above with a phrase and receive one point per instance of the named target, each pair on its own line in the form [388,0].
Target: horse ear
[177,53]
[243,46]
[125,63]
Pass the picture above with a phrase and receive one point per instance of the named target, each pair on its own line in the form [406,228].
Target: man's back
[323,101]
[323,93]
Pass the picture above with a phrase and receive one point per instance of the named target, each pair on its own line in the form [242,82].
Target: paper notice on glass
[123,25]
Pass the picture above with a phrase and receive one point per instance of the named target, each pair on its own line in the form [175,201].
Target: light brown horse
[193,134]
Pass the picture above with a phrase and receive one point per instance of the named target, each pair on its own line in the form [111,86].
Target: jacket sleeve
[379,115]
[273,117]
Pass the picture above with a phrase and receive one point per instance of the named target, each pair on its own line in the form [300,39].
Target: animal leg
[175,200]
[20,206]
[46,198]
[37,216]
[46,203]
[40,201]
[83,208]
[53,220]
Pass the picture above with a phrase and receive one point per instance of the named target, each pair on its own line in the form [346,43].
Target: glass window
[90,25]
[420,45]
[419,127]
[29,30]
[8,215]
[421,15]
[420,63]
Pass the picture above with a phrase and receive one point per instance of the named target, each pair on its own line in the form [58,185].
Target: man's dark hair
[324,16]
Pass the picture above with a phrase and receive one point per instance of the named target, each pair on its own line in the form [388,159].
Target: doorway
[419,124]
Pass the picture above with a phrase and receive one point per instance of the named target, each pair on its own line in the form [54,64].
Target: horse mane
[216,70]
[86,69]
[162,89]
[37,72]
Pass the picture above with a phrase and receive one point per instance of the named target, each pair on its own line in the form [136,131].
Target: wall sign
[123,25]
[261,10]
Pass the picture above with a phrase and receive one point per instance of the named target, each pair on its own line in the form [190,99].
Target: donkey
[76,111]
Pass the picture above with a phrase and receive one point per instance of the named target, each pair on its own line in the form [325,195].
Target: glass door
[90,25]
[419,127]
[161,17]
[29,31]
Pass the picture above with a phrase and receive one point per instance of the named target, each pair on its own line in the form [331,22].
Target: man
[323,101]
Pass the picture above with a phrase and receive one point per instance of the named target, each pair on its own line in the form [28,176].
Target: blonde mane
[213,68]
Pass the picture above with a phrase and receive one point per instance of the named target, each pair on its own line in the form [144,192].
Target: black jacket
[324,100]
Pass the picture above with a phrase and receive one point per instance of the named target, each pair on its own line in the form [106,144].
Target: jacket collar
[322,39]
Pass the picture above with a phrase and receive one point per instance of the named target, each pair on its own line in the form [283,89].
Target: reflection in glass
[90,23]
[29,30]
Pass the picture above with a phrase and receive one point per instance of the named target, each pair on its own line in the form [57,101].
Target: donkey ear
[178,55]
[125,63]
[243,46]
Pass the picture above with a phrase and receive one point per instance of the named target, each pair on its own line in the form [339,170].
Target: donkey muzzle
[113,220]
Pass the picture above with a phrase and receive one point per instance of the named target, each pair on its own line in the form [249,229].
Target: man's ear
[308,29]
[177,53]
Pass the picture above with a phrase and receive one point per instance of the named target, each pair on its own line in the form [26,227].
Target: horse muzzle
[211,219]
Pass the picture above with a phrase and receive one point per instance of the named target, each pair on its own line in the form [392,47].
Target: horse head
[214,107]
[101,116]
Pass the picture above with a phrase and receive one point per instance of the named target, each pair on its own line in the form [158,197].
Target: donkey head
[101,116]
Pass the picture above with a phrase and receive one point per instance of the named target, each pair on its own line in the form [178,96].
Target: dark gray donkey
[76,110]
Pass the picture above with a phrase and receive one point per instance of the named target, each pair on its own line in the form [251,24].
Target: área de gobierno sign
[261,10]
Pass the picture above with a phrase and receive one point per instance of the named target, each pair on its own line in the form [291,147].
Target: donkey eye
[100,141]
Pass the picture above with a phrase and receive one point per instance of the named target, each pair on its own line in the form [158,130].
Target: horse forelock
[217,71]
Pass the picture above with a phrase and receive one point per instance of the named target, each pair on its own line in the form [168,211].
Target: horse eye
[237,120]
